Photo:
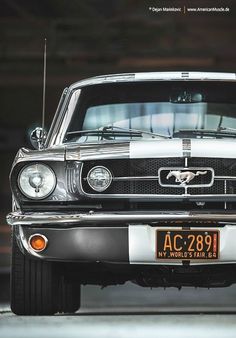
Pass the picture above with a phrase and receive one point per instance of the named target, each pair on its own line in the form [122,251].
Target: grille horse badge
[184,177]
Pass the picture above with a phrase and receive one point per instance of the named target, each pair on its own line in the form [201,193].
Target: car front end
[136,181]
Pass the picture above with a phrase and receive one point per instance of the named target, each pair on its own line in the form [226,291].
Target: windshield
[161,108]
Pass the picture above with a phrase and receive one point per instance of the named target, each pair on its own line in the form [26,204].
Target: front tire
[39,288]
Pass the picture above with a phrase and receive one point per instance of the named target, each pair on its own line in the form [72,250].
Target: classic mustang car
[135,181]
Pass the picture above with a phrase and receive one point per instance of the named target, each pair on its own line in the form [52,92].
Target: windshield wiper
[108,132]
[104,133]
[135,131]
[232,130]
[218,133]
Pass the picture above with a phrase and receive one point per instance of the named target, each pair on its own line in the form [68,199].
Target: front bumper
[79,244]
[35,219]
[118,237]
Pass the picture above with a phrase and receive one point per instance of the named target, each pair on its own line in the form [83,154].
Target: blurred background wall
[92,37]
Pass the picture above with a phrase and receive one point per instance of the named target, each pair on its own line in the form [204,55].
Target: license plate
[187,244]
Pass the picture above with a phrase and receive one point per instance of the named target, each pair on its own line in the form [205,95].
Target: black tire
[69,300]
[39,288]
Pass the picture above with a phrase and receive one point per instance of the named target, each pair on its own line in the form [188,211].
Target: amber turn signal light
[38,242]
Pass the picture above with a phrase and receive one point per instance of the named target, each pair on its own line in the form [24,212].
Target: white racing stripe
[213,148]
[156,148]
[174,148]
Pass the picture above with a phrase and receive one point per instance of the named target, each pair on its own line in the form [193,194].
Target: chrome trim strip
[135,178]
[131,178]
[225,191]
[154,76]
[17,218]
[100,151]
[158,197]
[49,154]
[186,162]
[151,196]
[69,110]
[143,178]
[227,178]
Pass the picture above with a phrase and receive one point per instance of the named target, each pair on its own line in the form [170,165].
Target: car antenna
[44,87]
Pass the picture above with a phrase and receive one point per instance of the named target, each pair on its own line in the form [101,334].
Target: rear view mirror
[186,97]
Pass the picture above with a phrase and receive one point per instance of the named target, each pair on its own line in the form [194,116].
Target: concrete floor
[132,311]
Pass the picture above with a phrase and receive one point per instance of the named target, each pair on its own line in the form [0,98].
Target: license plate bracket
[187,244]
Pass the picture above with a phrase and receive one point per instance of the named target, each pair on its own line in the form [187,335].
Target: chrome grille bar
[143,178]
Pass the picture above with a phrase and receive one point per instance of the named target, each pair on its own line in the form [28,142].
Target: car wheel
[69,300]
[38,287]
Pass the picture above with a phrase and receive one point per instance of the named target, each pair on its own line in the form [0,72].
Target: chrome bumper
[35,219]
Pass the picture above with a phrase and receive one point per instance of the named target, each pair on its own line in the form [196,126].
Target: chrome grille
[136,171]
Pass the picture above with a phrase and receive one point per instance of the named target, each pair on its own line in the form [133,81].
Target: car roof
[155,76]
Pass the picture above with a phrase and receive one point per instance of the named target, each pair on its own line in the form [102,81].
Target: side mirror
[37,137]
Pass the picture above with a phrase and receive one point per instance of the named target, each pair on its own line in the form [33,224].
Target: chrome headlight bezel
[50,171]
[109,178]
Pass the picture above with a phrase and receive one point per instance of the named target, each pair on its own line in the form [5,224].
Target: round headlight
[99,178]
[37,181]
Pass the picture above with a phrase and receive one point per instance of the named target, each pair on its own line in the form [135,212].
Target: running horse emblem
[184,177]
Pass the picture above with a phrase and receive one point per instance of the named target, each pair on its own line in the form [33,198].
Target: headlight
[36,181]
[99,178]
